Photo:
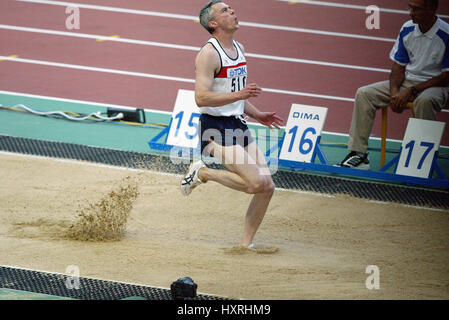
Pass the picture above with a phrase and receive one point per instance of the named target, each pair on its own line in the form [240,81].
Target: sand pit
[323,244]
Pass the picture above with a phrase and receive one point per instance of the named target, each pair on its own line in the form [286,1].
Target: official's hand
[250,91]
[398,102]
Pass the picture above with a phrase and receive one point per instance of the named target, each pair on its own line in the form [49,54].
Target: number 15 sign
[303,128]
[184,123]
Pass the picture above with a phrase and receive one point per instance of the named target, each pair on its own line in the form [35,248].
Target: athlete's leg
[247,172]
[260,201]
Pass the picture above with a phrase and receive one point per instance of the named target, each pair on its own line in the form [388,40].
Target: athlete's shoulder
[208,58]
[208,52]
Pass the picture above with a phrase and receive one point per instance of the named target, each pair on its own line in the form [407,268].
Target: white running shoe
[191,180]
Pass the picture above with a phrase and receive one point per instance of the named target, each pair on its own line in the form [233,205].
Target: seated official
[420,73]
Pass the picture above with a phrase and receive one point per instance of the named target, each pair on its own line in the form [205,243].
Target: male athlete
[222,94]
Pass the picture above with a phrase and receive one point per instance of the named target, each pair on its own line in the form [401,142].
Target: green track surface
[10,294]
[126,137]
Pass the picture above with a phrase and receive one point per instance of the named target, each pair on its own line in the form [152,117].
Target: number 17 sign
[303,128]
[419,146]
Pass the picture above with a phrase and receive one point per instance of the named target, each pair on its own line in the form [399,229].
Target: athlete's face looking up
[225,17]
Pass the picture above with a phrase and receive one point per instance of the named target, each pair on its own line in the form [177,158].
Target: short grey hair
[207,15]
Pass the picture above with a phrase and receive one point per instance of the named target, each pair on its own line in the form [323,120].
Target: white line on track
[96,69]
[168,78]
[159,77]
[349,6]
[184,47]
[193,18]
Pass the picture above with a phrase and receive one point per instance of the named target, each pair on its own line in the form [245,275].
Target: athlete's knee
[261,184]
[256,185]
[269,186]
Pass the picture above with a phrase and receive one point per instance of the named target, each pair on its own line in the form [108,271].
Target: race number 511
[419,146]
[303,128]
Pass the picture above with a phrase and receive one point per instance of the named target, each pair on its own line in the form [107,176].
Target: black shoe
[356,160]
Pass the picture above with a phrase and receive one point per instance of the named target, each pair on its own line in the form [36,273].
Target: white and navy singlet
[230,78]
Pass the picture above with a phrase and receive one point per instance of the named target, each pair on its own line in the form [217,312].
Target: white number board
[421,141]
[303,128]
[184,122]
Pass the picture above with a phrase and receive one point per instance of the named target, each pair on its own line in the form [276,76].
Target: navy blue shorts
[226,131]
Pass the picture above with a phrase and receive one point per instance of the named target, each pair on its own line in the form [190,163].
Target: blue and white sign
[303,128]
[421,141]
[185,119]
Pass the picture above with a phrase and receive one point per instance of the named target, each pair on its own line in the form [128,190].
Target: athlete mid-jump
[222,93]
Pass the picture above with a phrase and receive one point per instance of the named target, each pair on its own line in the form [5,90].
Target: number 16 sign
[303,128]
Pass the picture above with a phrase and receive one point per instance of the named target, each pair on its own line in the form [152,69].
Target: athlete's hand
[250,91]
[270,119]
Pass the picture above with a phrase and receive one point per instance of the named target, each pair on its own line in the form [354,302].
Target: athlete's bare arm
[207,63]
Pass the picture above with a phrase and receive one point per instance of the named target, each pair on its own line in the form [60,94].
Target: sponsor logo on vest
[236,72]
